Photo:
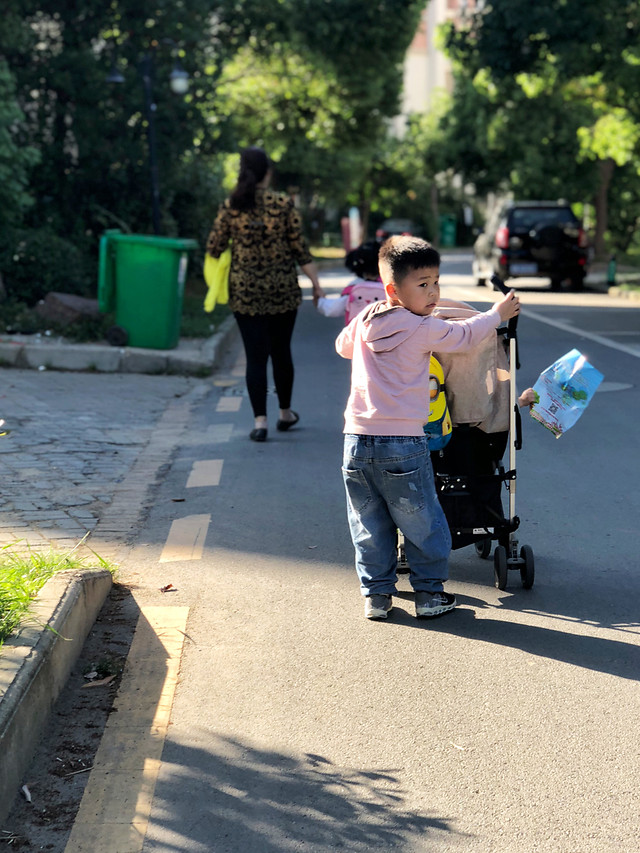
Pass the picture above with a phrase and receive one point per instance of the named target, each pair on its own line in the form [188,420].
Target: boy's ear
[390,290]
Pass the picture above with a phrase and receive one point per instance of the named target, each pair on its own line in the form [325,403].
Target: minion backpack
[438,428]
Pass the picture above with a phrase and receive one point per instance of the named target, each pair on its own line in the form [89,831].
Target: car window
[524,219]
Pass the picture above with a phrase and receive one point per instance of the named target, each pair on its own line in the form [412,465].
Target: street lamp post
[146,72]
[179,82]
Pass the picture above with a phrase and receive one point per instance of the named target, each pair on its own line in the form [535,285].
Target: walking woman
[265,231]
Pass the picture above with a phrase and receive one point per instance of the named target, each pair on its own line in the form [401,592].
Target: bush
[19,319]
[37,261]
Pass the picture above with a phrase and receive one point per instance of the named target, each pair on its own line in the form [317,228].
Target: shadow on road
[601,654]
[267,801]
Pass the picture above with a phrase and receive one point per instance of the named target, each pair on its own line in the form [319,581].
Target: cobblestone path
[72,441]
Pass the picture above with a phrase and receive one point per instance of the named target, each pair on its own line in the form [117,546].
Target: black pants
[264,336]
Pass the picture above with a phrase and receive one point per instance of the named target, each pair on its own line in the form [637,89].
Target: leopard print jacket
[266,243]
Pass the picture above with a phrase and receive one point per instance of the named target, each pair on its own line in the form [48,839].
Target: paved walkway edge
[190,357]
[35,664]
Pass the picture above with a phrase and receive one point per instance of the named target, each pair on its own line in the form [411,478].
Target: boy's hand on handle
[509,306]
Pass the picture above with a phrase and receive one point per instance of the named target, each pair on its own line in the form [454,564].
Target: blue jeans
[390,485]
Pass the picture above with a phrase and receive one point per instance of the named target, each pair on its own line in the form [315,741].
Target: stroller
[469,473]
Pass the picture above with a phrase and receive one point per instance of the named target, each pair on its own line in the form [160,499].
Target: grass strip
[24,573]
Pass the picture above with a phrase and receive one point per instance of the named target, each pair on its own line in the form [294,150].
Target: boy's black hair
[401,255]
[363,260]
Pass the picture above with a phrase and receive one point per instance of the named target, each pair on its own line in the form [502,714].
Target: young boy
[386,466]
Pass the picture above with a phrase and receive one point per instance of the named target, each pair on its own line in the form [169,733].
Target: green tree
[335,73]
[320,95]
[16,161]
[578,64]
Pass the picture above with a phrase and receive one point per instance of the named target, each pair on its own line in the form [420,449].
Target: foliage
[92,136]
[195,322]
[36,261]
[19,318]
[331,86]
[15,160]
[319,98]
[624,208]
[568,75]
[24,573]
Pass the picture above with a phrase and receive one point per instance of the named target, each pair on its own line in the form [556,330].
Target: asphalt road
[509,725]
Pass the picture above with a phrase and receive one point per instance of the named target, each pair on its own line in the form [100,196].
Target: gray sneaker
[433,603]
[377,606]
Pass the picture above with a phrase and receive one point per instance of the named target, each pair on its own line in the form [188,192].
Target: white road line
[574,330]
[186,539]
[205,472]
[229,404]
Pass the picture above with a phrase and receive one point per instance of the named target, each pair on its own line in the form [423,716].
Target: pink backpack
[360,294]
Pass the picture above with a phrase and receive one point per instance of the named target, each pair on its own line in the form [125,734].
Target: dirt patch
[60,768]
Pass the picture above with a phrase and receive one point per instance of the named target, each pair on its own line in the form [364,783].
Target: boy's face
[419,291]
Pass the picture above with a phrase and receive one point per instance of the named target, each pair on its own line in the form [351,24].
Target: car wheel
[577,282]
[116,336]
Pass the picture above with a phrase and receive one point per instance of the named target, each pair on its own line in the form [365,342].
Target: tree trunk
[605,174]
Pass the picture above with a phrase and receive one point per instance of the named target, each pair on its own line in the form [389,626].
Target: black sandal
[258,434]
[283,426]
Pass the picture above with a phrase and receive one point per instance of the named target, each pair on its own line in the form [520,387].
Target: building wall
[427,69]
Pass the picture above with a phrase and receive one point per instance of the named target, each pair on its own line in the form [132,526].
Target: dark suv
[543,239]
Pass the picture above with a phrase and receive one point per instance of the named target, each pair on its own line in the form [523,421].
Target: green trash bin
[142,279]
[448,227]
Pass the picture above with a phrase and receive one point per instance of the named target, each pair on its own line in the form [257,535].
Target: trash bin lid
[181,244]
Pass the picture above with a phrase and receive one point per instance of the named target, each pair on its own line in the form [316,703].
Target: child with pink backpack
[366,288]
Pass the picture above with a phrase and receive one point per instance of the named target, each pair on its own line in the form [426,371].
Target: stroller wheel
[483,548]
[527,567]
[500,568]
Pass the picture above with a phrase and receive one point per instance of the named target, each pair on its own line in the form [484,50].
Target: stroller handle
[512,325]
[496,281]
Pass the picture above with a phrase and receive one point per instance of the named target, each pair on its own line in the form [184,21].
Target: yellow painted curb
[115,808]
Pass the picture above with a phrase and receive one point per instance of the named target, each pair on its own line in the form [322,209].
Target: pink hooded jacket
[389,348]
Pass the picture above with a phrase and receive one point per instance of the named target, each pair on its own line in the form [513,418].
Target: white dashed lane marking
[206,472]
[186,539]
[187,535]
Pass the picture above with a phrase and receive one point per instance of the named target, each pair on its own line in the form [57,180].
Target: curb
[625,294]
[35,665]
[189,357]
